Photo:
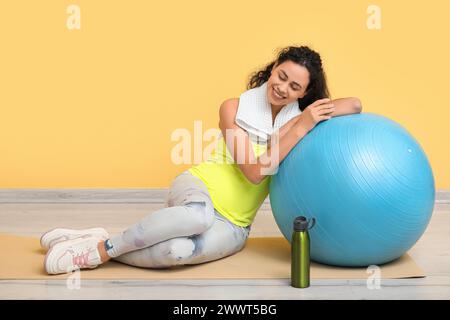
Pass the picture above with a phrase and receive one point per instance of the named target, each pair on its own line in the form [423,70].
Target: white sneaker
[71,255]
[53,236]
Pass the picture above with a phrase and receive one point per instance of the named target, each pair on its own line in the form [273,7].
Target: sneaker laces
[82,260]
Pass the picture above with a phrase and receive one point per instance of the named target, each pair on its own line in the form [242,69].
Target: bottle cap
[300,224]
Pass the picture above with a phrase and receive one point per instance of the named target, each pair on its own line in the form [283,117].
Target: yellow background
[96,107]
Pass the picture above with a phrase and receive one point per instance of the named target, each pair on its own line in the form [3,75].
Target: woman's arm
[345,106]
[290,134]
[255,170]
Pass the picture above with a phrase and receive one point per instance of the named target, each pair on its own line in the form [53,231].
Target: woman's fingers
[325,108]
[320,102]
[325,118]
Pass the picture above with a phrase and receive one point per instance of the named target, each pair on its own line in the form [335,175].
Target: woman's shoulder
[232,102]
[228,108]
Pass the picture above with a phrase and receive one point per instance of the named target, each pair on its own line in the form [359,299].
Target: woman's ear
[304,94]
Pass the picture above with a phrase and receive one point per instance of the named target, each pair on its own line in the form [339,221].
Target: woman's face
[290,80]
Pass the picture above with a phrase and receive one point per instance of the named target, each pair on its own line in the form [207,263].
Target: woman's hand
[314,113]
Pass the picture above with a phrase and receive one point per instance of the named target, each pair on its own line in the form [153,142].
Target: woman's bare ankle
[102,251]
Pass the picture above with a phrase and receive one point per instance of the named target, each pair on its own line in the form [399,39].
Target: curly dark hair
[304,56]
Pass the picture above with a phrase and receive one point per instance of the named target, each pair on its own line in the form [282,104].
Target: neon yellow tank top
[232,194]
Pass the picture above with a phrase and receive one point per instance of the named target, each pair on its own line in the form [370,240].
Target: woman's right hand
[314,113]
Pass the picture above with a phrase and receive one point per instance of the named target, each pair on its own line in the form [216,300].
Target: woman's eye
[285,80]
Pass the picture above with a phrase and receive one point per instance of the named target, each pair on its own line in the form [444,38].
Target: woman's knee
[172,252]
[203,214]
[180,249]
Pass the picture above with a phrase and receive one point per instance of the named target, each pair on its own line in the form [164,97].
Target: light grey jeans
[188,230]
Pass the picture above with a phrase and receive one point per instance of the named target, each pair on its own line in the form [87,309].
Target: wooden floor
[432,253]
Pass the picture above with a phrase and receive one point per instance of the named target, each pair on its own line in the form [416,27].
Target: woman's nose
[282,89]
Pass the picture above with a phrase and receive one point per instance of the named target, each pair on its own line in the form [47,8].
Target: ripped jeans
[188,230]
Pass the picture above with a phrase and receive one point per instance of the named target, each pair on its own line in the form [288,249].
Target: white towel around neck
[255,113]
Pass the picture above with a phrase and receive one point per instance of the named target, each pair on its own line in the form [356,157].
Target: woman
[211,206]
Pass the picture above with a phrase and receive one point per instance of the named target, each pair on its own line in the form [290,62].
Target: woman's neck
[275,110]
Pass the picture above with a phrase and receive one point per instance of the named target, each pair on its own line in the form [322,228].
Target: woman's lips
[275,94]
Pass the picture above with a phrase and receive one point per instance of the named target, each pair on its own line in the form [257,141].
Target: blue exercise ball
[367,183]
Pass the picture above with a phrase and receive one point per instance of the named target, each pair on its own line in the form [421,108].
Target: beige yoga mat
[262,258]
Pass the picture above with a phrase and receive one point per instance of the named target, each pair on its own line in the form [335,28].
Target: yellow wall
[95,107]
